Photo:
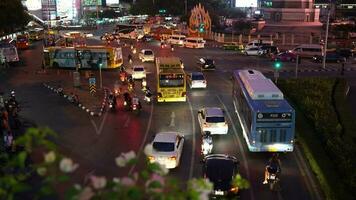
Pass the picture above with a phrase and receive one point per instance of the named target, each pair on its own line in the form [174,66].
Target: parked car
[212,119]
[220,169]
[330,57]
[206,63]
[285,57]
[196,80]
[166,149]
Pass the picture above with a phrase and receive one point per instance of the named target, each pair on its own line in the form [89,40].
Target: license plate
[219,192]
[273,177]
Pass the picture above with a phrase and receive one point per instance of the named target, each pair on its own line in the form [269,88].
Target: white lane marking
[139,152]
[244,160]
[127,122]
[173,116]
[98,131]
[192,158]
[311,185]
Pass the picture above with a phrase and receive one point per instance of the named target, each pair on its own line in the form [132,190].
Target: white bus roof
[194,38]
[259,87]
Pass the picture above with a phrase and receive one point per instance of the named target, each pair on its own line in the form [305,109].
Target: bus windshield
[171,80]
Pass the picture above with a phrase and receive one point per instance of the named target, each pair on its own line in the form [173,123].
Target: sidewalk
[93,104]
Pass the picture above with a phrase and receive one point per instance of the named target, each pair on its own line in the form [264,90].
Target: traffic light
[277,64]
[201,28]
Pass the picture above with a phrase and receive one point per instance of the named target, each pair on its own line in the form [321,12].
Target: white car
[197,80]
[146,55]
[213,120]
[253,51]
[138,72]
[167,148]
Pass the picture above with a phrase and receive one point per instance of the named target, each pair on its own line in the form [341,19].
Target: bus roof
[264,105]
[168,62]
[258,86]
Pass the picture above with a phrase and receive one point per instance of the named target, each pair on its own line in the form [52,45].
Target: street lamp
[100,76]
[326,36]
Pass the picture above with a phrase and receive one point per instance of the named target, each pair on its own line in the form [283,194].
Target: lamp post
[100,76]
[326,37]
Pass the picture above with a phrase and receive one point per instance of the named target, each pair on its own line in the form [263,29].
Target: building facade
[289,11]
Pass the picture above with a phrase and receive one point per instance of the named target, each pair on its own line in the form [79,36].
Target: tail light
[183,94]
[125,103]
[134,107]
[172,158]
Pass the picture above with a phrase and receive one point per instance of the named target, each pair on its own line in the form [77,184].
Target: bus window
[273,136]
[283,135]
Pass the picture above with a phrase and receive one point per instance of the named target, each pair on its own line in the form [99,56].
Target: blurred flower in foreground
[203,186]
[98,182]
[41,171]
[86,194]
[124,158]
[50,157]
[67,165]
[155,183]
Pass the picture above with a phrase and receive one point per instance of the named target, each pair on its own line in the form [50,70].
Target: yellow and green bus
[171,80]
[85,57]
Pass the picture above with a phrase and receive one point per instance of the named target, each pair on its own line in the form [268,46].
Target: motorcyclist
[207,142]
[172,47]
[129,58]
[148,94]
[131,83]
[127,99]
[136,102]
[112,100]
[273,167]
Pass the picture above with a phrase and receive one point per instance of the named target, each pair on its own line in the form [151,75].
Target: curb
[80,105]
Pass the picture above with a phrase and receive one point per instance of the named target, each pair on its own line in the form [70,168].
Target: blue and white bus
[266,118]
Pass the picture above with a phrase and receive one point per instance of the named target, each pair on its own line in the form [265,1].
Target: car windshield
[220,170]
[163,146]
[215,119]
[148,53]
[209,61]
[198,77]
[138,69]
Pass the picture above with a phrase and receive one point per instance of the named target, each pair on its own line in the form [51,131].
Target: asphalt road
[94,142]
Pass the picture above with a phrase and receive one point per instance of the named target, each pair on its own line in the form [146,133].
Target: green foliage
[12,16]
[322,102]
[242,27]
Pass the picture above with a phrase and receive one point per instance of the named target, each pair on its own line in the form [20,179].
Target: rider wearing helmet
[273,166]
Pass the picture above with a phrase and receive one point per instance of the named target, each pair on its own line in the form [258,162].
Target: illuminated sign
[33,4]
[92,2]
[274,117]
[111,2]
[246,3]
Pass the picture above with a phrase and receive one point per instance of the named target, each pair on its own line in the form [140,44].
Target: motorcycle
[136,105]
[273,181]
[112,103]
[123,77]
[127,102]
[207,144]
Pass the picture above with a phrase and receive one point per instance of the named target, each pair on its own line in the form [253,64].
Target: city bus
[171,80]
[266,118]
[86,57]
[9,52]
[22,42]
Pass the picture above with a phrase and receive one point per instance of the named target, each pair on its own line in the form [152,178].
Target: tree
[235,13]
[12,16]
[242,27]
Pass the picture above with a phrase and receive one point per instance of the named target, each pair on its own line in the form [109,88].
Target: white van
[176,39]
[194,43]
[308,50]
[258,43]
[9,52]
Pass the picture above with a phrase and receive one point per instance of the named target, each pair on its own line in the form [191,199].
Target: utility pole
[326,37]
